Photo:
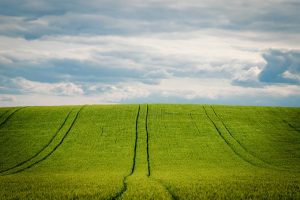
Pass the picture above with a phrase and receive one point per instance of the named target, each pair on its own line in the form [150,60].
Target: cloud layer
[130,51]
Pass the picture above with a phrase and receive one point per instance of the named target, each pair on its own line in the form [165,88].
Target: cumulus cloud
[24,86]
[248,77]
[102,51]
[281,67]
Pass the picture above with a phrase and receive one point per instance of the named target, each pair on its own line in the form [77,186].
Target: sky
[233,52]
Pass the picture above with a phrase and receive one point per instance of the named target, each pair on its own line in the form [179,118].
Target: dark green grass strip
[124,187]
[40,151]
[135,142]
[53,150]
[147,142]
[10,115]
[228,144]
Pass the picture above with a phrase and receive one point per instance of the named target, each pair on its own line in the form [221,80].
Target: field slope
[150,152]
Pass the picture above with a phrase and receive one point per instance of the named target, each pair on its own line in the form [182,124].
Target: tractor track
[5,113]
[228,144]
[136,140]
[167,189]
[40,151]
[147,142]
[261,164]
[227,128]
[124,188]
[284,120]
[148,159]
[290,125]
[231,135]
[10,115]
[52,151]
[267,164]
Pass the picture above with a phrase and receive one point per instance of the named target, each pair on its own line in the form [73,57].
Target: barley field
[150,152]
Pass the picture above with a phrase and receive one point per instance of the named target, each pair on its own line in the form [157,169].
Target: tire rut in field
[240,151]
[148,159]
[173,197]
[290,125]
[261,162]
[231,146]
[135,142]
[48,154]
[124,188]
[283,120]
[147,143]
[286,122]
[10,115]
[148,174]
[4,113]
[231,135]
[41,150]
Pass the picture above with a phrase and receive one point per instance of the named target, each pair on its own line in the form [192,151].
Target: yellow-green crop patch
[150,152]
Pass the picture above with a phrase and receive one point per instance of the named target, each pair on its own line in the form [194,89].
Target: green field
[150,152]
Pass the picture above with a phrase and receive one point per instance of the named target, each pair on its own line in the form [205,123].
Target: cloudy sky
[55,52]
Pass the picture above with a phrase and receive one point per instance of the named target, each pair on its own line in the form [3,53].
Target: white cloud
[135,49]
[168,90]
[248,77]
[62,89]
[292,76]
[193,65]
[219,88]
[7,98]
[200,46]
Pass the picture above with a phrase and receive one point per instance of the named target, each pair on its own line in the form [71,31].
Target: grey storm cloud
[55,70]
[35,18]
[281,67]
